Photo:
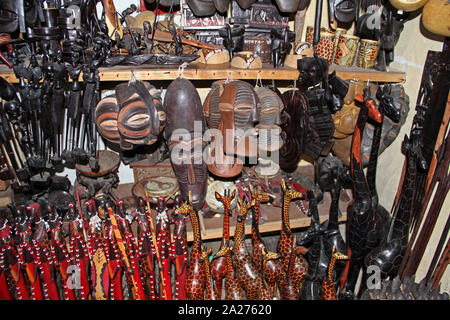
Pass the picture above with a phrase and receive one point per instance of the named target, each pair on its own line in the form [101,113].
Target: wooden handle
[111,18]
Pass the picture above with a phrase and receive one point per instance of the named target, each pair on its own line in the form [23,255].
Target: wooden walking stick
[155,244]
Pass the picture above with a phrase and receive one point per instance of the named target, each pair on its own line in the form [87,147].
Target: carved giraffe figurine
[249,277]
[210,292]
[381,219]
[294,263]
[272,267]
[195,273]
[233,289]
[219,264]
[360,213]
[328,285]
[389,254]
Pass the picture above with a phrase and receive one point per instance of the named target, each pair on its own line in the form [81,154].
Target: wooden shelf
[270,214]
[198,71]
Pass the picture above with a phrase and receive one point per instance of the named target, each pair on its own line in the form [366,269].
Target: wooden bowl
[108,161]
[246,60]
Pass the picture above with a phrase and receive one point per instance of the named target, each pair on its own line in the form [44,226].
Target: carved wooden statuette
[180,250]
[249,277]
[294,263]
[219,265]
[196,272]
[271,268]
[328,286]
[360,212]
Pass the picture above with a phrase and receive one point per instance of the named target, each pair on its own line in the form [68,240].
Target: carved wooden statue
[249,277]
[294,263]
[219,265]
[196,272]
[360,212]
[272,268]
[328,286]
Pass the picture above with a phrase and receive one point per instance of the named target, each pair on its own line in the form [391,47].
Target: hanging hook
[258,80]
[132,78]
[181,69]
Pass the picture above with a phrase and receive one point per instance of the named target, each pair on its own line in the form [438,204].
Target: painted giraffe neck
[256,236]
[373,161]
[330,269]
[402,215]
[285,215]
[226,222]
[361,189]
[334,207]
[240,229]
[197,243]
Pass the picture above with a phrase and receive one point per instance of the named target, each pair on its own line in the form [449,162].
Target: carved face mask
[231,109]
[184,114]
[269,110]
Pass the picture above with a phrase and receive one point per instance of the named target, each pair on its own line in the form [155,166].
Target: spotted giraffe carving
[219,264]
[196,272]
[328,285]
[294,263]
[272,267]
[249,277]
[210,292]
[233,289]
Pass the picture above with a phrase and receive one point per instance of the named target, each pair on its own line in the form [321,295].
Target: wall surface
[410,54]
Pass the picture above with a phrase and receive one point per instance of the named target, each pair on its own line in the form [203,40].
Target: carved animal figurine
[249,277]
[233,289]
[219,265]
[271,267]
[210,292]
[294,264]
[328,286]
[389,254]
[195,273]
[360,213]
[317,257]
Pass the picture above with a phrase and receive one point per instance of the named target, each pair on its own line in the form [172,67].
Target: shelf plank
[198,71]
[271,215]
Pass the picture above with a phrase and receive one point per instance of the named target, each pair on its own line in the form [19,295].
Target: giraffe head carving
[185,208]
[224,250]
[205,255]
[259,196]
[226,198]
[290,193]
[243,209]
[338,255]
[270,255]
